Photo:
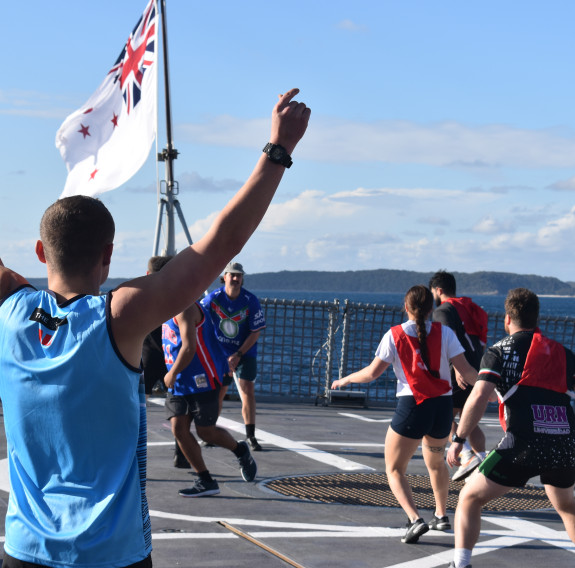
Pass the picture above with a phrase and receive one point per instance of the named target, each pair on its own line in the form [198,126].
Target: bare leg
[188,444]
[398,451]
[248,396]
[563,501]
[217,436]
[434,457]
[477,492]
[221,395]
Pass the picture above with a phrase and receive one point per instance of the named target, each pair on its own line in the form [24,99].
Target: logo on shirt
[548,419]
[52,323]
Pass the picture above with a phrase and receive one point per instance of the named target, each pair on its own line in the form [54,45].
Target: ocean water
[551,306]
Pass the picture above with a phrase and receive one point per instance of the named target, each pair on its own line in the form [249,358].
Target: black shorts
[202,407]
[459,395]
[246,370]
[433,417]
[498,466]
[11,562]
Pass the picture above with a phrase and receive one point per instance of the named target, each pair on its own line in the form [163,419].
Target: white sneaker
[469,461]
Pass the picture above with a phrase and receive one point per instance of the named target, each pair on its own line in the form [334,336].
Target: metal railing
[307,344]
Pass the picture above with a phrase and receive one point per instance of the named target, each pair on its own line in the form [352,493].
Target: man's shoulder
[446,314]
[249,295]
[211,295]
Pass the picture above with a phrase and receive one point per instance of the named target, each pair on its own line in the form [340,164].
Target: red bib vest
[474,317]
[545,367]
[422,382]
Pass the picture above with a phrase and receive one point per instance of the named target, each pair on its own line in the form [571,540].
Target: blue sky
[442,133]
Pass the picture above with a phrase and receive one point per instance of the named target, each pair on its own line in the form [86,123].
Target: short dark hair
[522,306]
[156,263]
[444,280]
[74,231]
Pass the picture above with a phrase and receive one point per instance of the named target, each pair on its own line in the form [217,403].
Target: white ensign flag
[108,140]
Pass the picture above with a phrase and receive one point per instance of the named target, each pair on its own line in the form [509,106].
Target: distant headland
[386,281]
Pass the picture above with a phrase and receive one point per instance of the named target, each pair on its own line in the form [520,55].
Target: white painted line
[519,531]
[290,445]
[351,445]
[194,536]
[364,418]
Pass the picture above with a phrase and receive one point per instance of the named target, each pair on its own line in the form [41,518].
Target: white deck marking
[290,445]
[363,418]
[517,531]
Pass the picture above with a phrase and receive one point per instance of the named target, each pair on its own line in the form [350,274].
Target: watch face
[277,153]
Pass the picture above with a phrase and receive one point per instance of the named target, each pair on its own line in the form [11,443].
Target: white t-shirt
[450,347]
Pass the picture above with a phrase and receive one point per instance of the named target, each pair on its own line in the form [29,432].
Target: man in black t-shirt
[469,322]
[533,377]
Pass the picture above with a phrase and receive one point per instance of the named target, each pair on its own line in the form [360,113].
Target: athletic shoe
[201,489]
[452,565]
[469,461]
[439,524]
[254,444]
[248,466]
[414,531]
[181,462]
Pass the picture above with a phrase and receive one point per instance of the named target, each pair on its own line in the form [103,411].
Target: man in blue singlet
[78,473]
[533,377]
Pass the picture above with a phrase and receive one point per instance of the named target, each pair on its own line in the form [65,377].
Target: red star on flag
[84,130]
[93,174]
[114,120]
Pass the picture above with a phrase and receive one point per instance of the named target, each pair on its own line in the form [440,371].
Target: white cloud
[306,210]
[351,26]
[446,144]
[564,185]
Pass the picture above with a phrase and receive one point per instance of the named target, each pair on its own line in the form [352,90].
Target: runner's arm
[366,375]
[187,321]
[251,339]
[473,411]
[464,371]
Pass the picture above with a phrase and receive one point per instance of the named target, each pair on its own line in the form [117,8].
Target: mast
[169,189]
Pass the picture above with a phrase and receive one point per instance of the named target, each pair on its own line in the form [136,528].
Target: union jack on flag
[107,141]
[137,55]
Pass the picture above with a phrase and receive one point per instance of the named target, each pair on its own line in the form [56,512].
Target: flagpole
[168,203]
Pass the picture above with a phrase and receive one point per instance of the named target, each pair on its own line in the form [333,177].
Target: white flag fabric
[108,140]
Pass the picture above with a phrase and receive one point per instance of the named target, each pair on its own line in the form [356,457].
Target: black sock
[240,450]
[205,476]
[250,430]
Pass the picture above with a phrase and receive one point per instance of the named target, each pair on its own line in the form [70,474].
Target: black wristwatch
[455,438]
[278,154]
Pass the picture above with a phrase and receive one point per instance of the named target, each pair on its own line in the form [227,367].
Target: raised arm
[142,304]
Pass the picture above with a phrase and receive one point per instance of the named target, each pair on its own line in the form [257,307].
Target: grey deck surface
[302,439]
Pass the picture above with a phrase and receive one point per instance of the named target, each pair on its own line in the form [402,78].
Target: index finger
[286,98]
